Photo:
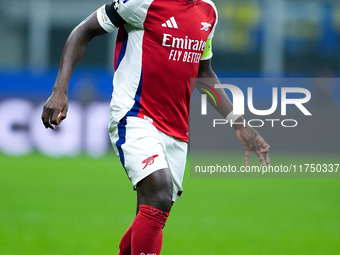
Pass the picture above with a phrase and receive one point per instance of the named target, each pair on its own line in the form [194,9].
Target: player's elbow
[81,36]
[88,29]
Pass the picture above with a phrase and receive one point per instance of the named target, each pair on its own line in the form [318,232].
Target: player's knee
[160,196]
[163,198]
[156,190]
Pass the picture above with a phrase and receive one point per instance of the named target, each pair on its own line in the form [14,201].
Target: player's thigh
[139,147]
[176,155]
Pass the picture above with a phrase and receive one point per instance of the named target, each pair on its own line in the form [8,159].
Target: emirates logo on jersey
[182,47]
[149,161]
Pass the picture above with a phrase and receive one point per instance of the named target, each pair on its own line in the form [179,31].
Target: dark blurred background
[254,38]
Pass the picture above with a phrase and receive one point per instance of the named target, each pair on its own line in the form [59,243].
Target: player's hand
[55,110]
[252,141]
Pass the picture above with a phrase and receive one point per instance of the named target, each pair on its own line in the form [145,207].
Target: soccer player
[161,44]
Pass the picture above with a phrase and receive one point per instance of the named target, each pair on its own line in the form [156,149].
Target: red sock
[125,242]
[147,235]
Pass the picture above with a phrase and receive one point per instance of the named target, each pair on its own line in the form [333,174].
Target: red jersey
[158,51]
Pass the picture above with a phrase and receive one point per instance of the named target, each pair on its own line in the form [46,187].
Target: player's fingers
[46,119]
[62,115]
[55,115]
[264,151]
[261,143]
[259,155]
[266,158]
[246,158]
[265,147]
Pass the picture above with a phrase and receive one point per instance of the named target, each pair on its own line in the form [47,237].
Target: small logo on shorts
[149,161]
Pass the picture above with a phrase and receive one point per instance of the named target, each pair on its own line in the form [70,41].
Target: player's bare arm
[56,106]
[249,137]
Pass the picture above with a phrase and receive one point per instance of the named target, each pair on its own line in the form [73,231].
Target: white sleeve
[211,35]
[134,11]
[104,20]
[131,11]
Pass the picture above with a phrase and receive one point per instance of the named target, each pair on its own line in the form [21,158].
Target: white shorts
[143,149]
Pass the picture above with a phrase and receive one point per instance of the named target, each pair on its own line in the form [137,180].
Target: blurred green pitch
[83,206]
